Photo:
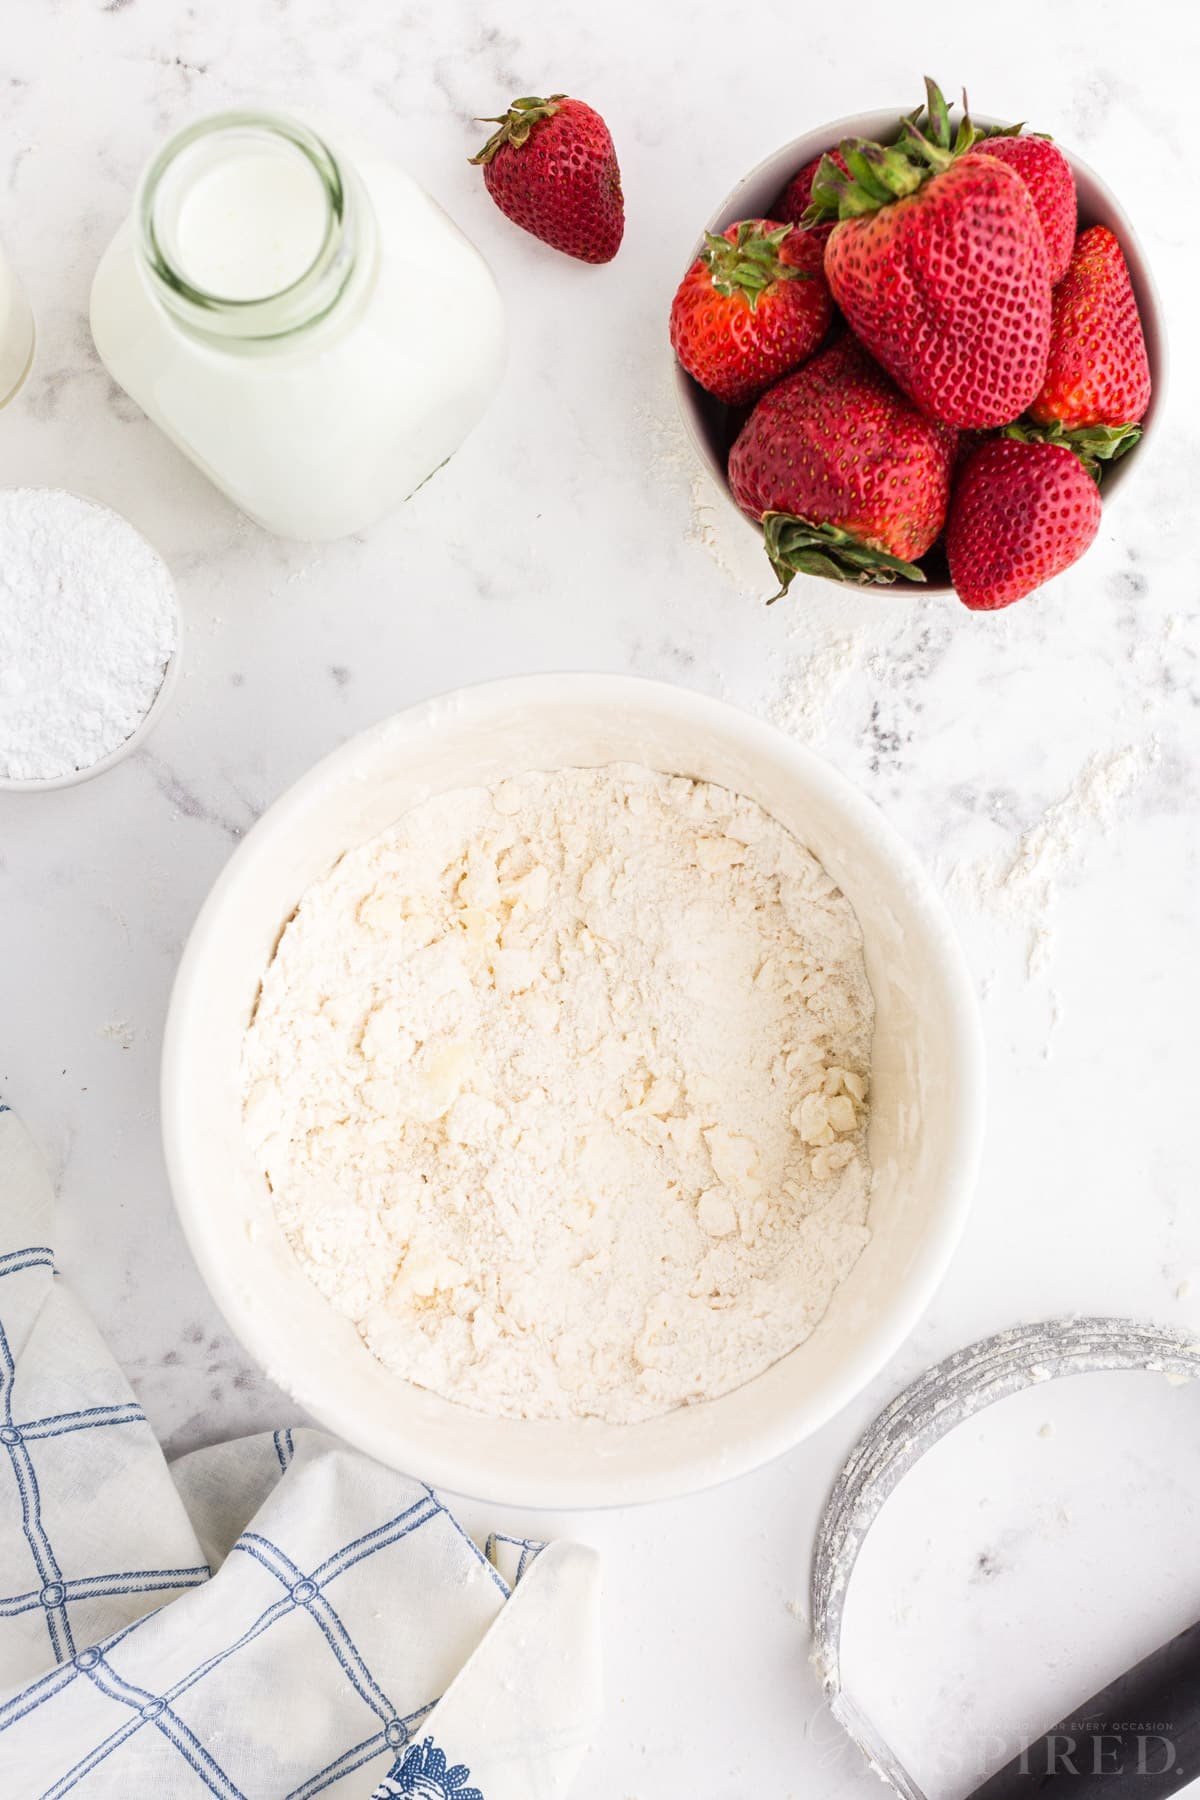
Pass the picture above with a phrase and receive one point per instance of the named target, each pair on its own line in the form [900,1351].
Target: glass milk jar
[317,337]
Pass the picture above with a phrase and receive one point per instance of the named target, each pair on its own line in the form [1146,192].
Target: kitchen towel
[270,1619]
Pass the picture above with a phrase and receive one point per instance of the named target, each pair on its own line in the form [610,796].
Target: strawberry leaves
[882,173]
[516,124]
[935,126]
[1094,445]
[795,546]
[751,262]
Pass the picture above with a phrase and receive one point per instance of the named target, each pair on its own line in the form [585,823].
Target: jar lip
[310,295]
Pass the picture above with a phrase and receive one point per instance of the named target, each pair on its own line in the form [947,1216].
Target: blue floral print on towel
[422,1774]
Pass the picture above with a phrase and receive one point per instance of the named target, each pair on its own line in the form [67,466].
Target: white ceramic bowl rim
[500,728]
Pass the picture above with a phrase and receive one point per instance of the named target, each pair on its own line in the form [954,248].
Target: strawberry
[753,305]
[939,263]
[1021,513]
[796,197]
[551,168]
[848,479]
[1047,174]
[1098,372]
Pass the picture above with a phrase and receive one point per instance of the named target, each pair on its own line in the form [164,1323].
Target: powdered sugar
[88,624]
[562,1092]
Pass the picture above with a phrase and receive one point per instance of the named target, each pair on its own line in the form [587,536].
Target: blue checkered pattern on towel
[271,1618]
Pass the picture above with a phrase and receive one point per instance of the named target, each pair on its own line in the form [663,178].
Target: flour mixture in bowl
[561,1090]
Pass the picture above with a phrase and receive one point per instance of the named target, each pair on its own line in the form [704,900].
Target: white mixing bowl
[927,1081]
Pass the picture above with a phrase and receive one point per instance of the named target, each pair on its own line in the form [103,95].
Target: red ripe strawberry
[753,305]
[551,168]
[1021,513]
[796,197]
[849,480]
[1098,372]
[939,263]
[1047,174]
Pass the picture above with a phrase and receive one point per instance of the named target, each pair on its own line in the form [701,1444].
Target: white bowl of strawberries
[914,349]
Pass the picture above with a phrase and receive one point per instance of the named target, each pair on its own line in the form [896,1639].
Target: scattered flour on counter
[812,683]
[561,1090]
[1053,1024]
[1023,884]
[713,524]
[710,509]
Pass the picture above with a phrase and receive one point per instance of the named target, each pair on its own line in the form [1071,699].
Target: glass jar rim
[302,301]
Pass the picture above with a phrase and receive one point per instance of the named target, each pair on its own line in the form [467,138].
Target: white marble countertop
[1049,1542]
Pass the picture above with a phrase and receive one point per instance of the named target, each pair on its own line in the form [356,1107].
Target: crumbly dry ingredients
[561,1089]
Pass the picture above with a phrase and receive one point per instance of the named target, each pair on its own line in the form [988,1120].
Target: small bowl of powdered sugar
[89,634]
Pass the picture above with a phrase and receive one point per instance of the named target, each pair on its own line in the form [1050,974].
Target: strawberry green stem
[1094,445]
[796,546]
[880,174]
[749,264]
[516,124]
[936,123]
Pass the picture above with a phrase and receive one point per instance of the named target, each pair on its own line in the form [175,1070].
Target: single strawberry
[847,478]
[1021,513]
[939,263]
[1098,372]
[1047,174]
[551,168]
[753,305]
[796,197]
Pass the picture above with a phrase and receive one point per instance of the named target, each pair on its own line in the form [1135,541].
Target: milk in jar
[316,334]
